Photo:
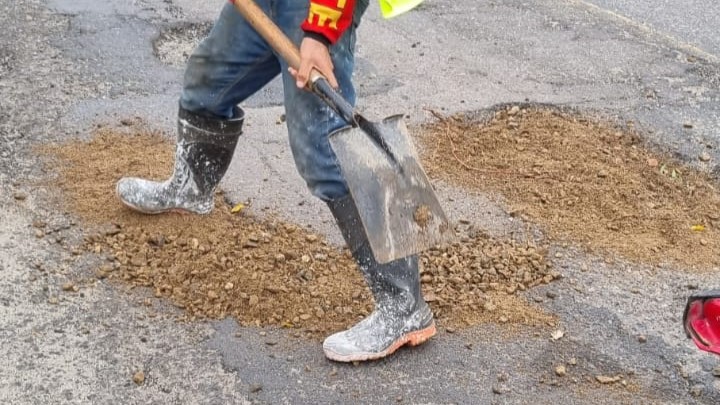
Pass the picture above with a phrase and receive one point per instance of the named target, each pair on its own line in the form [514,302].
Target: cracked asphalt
[69,65]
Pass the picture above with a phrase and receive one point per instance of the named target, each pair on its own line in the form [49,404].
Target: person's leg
[231,64]
[401,315]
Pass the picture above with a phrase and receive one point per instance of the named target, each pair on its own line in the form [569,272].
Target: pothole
[584,181]
[175,44]
[269,272]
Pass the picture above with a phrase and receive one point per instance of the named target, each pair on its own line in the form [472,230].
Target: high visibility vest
[393,8]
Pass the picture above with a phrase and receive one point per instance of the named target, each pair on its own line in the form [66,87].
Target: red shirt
[329,18]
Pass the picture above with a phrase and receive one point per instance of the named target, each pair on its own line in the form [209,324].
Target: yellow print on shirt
[325,14]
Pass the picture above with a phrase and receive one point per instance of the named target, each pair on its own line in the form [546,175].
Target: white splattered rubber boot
[401,315]
[204,149]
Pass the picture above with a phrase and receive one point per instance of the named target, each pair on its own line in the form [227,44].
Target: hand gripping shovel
[397,205]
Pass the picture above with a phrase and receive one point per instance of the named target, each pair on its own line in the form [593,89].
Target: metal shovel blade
[398,207]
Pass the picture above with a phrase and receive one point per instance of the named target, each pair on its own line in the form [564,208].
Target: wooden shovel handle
[269,31]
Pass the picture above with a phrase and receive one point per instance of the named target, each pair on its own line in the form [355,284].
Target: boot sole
[180,211]
[415,338]
[167,211]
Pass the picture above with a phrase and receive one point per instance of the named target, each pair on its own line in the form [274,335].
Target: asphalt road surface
[68,65]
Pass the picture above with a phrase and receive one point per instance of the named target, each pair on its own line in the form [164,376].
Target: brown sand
[268,272]
[583,181]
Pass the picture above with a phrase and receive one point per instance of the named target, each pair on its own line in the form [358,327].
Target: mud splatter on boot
[204,149]
[401,315]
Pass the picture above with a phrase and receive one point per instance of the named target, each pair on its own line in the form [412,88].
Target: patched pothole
[175,44]
[584,181]
[266,271]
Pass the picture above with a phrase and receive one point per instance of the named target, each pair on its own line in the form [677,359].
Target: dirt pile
[583,181]
[268,272]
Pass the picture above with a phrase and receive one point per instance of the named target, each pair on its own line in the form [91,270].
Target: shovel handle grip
[290,53]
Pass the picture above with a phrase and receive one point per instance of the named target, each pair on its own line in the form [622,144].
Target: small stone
[20,196]
[449,330]
[716,371]
[572,361]
[229,286]
[39,233]
[704,157]
[642,338]
[551,295]
[652,162]
[602,173]
[53,300]
[697,390]
[514,110]
[305,317]
[503,319]
[538,299]
[139,377]
[703,242]
[557,335]
[270,342]
[560,371]
[68,286]
[499,389]
[687,125]
[256,388]
[254,300]
[603,379]
[311,238]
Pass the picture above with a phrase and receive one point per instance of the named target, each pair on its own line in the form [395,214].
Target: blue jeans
[234,62]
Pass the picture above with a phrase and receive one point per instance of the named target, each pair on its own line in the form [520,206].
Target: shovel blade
[397,204]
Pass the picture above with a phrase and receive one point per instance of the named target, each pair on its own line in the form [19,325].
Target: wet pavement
[66,66]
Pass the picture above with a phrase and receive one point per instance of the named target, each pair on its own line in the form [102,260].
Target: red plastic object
[702,320]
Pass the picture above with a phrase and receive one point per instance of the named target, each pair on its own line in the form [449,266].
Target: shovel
[398,208]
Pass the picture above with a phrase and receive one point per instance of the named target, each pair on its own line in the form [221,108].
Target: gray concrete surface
[67,65]
[694,22]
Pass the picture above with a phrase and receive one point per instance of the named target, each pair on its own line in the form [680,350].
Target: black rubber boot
[401,315]
[205,147]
